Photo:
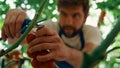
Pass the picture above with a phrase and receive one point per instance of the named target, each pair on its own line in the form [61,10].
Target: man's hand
[47,39]
[13,22]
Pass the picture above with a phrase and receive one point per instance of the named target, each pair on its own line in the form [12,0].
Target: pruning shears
[25,25]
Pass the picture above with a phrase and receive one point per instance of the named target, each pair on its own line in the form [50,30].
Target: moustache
[69,27]
[75,31]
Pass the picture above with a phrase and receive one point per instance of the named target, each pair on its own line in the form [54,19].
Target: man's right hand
[12,24]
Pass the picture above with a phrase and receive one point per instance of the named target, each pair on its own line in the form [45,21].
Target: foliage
[110,5]
[4,7]
[31,4]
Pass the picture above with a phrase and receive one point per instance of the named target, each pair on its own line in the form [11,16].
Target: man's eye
[64,14]
[76,16]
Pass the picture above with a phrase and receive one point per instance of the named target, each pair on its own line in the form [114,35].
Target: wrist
[75,57]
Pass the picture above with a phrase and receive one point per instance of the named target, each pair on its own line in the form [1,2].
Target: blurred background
[102,14]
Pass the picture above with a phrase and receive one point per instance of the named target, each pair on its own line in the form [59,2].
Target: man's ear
[86,17]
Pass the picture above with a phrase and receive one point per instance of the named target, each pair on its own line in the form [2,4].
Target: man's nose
[69,21]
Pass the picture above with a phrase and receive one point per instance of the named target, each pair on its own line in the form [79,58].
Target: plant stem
[3,63]
[33,22]
[101,49]
[115,48]
[99,52]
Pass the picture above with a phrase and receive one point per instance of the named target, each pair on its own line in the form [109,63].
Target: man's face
[71,19]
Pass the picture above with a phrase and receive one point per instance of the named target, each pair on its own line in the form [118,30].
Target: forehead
[72,9]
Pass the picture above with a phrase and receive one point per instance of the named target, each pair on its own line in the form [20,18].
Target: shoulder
[92,34]
[89,27]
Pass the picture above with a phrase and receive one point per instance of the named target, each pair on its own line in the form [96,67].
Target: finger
[46,57]
[19,22]
[9,24]
[42,46]
[45,31]
[6,26]
[8,13]
[3,35]
[12,24]
[13,21]
[30,37]
[44,39]
[6,30]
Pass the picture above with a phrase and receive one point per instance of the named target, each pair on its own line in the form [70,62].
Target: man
[66,39]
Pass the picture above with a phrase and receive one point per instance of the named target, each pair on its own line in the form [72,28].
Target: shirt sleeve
[92,35]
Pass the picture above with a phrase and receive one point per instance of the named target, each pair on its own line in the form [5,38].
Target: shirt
[91,34]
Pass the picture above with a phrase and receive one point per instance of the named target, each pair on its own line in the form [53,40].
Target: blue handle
[24,26]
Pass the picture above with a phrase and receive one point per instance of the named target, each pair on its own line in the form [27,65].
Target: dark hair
[84,3]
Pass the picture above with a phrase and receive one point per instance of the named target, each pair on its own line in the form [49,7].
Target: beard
[69,31]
